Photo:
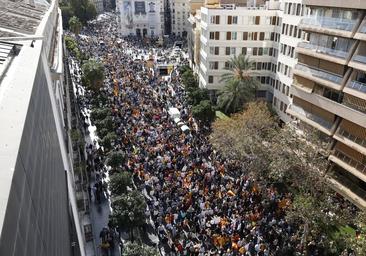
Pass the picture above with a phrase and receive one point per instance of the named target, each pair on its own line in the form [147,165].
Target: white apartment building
[228,31]
[180,10]
[291,14]
[141,18]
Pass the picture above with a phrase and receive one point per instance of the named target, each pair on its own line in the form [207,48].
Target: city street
[197,202]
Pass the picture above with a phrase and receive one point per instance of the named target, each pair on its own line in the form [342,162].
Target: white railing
[312,117]
[324,50]
[320,73]
[329,22]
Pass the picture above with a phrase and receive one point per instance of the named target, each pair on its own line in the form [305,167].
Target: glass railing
[356,85]
[359,58]
[363,28]
[350,161]
[329,22]
[312,117]
[323,50]
[320,73]
[351,137]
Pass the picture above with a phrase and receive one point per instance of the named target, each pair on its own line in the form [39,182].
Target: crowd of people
[200,203]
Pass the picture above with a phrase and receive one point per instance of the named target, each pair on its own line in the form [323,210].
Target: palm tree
[240,84]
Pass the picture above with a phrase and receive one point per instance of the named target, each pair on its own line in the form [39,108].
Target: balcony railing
[312,117]
[320,73]
[356,85]
[350,161]
[329,22]
[359,58]
[363,29]
[345,181]
[323,50]
[351,137]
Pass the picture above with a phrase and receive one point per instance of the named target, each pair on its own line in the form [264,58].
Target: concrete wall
[37,216]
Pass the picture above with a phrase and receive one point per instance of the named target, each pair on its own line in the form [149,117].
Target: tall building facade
[329,88]
[229,30]
[141,18]
[180,10]
[291,14]
[38,212]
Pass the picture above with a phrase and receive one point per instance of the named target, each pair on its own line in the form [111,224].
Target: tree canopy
[240,85]
[204,111]
[93,74]
[75,25]
[119,182]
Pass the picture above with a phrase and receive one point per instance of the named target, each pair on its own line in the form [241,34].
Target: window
[214,50]
[232,20]
[214,65]
[245,36]
[228,35]
[227,65]
[215,19]
[261,36]
[230,50]
[227,50]
[244,51]
[210,79]
[215,35]
[260,51]
[231,35]
[257,20]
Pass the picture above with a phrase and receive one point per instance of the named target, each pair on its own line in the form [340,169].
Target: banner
[140,7]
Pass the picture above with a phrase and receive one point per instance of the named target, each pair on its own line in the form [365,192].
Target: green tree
[189,80]
[75,25]
[93,74]
[119,182]
[90,11]
[106,123]
[115,159]
[107,141]
[240,85]
[196,95]
[129,211]
[99,113]
[134,249]
[67,12]
[72,47]
[204,111]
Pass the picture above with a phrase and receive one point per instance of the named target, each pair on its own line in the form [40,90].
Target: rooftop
[19,18]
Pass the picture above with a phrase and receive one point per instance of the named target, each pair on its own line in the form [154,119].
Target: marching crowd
[200,203]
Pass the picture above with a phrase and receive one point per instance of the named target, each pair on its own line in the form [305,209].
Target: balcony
[329,25]
[358,61]
[356,89]
[317,51]
[348,189]
[311,119]
[319,76]
[355,103]
[361,33]
[348,163]
[351,140]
